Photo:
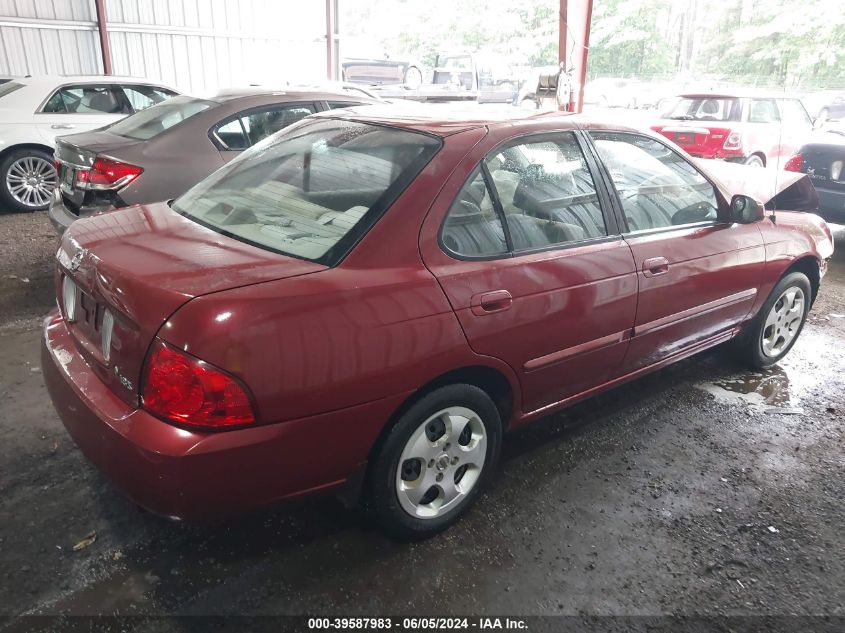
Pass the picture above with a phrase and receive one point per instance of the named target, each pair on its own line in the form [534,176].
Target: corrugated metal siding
[196,45]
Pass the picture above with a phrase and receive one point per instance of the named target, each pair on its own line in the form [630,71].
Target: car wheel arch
[808,265]
[23,146]
[491,380]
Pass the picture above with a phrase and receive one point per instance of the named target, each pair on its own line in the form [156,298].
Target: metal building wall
[48,37]
[195,45]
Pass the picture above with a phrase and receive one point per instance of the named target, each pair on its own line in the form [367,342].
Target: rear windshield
[312,191]
[705,109]
[151,122]
[9,86]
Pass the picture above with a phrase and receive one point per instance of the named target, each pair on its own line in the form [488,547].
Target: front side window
[657,187]
[795,113]
[546,192]
[313,192]
[85,99]
[159,118]
[142,97]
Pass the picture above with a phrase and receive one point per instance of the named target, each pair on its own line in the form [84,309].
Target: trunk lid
[823,161]
[140,265]
[78,151]
[695,138]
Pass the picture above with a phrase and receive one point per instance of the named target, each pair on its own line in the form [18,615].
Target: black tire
[529,103]
[7,199]
[749,346]
[413,77]
[755,161]
[382,499]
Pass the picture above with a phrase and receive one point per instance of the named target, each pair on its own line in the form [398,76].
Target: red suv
[370,300]
[756,130]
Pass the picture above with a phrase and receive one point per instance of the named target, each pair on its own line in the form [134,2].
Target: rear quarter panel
[375,326]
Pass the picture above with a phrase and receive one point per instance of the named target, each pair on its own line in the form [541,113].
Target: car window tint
[763,111]
[142,97]
[547,193]
[232,136]
[8,87]
[794,112]
[260,125]
[657,187]
[159,118]
[472,227]
[86,99]
[341,104]
[703,109]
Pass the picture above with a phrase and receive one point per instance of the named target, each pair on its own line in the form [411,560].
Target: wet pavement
[700,489]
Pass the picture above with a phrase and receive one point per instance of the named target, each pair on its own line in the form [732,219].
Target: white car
[35,110]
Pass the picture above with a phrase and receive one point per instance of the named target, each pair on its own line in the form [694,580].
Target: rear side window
[546,192]
[142,97]
[541,196]
[86,99]
[656,186]
[473,229]
[248,129]
[156,119]
[313,193]
[9,86]
[334,105]
[763,111]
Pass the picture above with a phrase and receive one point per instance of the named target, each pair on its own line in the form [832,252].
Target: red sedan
[369,301]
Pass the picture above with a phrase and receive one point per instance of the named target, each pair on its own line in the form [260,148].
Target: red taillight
[188,391]
[107,173]
[734,142]
[796,163]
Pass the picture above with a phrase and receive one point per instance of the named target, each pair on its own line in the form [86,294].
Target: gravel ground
[698,490]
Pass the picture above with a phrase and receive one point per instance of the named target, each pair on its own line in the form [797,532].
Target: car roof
[445,120]
[235,94]
[737,94]
[61,80]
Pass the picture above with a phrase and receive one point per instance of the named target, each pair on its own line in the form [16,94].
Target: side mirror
[747,210]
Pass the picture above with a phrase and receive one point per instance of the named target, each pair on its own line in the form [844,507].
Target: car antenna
[773,217]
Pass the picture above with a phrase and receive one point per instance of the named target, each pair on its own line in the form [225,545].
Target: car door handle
[655,266]
[491,302]
[62,126]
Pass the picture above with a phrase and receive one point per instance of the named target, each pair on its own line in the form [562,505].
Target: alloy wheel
[31,180]
[783,322]
[441,463]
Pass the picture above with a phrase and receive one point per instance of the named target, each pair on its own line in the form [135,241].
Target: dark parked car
[755,129]
[369,301]
[162,151]
[822,158]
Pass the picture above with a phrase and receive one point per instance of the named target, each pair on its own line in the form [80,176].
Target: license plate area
[67,176]
[685,138]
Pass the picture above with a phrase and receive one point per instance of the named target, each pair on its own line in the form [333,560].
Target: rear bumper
[188,475]
[832,205]
[61,217]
